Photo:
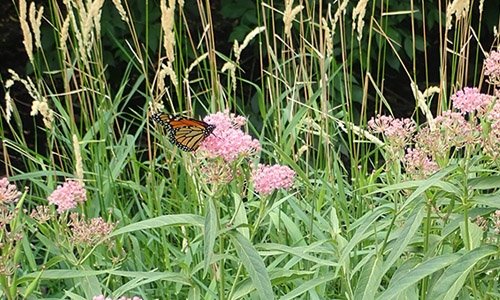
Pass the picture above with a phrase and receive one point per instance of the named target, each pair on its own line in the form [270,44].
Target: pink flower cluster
[42,214]
[451,131]
[398,134]
[269,178]
[495,219]
[454,131]
[418,163]
[67,196]
[228,145]
[228,140]
[89,232]
[481,222]
[397,131]
[470,99]
[217,172]
[492,67]
[493,222]
[8,192]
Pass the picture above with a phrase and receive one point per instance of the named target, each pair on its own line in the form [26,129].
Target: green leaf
[139,281]
[401,272]
[253,264]
[474,234]
[74,296]
[369,279]
[485,183]
[194,293]
[33,285]
[360,232]
[295,234]
[168,220]
[301,252]
[488,200]
[405,277]
[422,185]
[435,180]
[210,233]
[306,286]
[451,281]
[405,235]
[240,216]
[373,272]
[61,274]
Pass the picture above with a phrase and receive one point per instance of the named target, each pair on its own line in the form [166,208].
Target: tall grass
[356,225]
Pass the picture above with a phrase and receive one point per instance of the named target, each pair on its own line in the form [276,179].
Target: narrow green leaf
[434,180]
[74,296]
[491,200]
[34,284]
[194,293]
[210,233]
[253,264]
[67,274]
[422,185]
[473,233]
[306,286]
[405,235]
[360,232]
[296,235]
[374,271]
[240,215]
[485,183]
[369,279]
[168,220]
[61,274]
[451,281]
[413,276]
[300,252]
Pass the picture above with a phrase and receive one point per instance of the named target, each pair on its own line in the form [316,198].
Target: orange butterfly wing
[185,133]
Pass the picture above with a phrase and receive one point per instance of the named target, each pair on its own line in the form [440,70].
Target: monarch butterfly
[185,133]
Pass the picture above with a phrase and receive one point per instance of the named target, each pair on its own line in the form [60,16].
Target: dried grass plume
[459,8]
[250,36]
[27,38]
[36,22]
[167,24]
[121,10]
[359,13]
[289,15]
[39,104]
[9,108]
[78,160]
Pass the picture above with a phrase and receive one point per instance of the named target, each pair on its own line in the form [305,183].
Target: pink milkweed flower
[269,178]
[8,192]
[89,231]
[492,67]
[228,140]
[67,196]
[217,171]
[470,99]
[397,131]
[418,164]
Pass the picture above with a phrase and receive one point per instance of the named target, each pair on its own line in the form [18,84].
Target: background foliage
[308,76]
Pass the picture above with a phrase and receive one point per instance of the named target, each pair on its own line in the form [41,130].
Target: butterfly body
[186,133]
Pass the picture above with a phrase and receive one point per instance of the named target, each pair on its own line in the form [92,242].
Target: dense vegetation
[298,193]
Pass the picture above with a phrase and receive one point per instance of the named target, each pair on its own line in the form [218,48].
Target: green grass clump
[363,219]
